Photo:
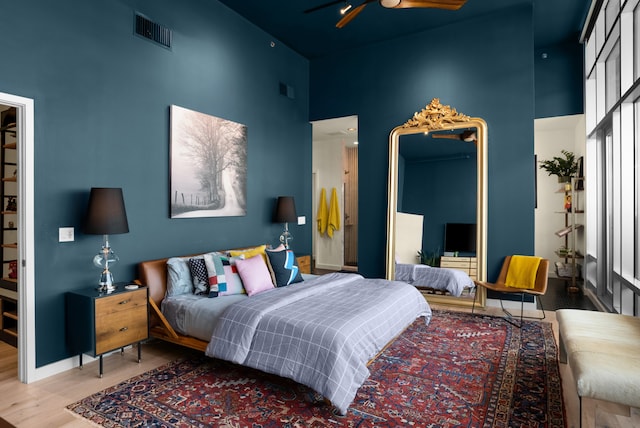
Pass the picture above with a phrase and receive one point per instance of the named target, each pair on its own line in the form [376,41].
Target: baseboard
[594,299]
[328,267]
[66,364]
[512,304]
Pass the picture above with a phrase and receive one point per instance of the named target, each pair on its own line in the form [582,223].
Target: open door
[335,166]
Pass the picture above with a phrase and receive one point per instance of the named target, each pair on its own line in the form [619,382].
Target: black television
[460,237]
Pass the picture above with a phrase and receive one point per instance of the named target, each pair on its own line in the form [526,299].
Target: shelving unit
[8,222]
[569,269]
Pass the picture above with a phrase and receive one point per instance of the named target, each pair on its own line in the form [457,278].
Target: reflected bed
[453,281]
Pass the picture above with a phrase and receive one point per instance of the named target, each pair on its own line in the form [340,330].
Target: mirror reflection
[436,232]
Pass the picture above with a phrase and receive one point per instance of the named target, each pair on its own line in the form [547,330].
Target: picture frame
[208,165]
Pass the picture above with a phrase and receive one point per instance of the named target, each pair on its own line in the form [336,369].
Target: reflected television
[460,237]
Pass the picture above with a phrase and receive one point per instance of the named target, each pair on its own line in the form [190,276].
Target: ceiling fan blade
[435,4]
[322,6]
[348,17]
[448,136]
[466,136]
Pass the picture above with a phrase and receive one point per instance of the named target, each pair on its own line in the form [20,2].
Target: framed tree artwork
[208,165]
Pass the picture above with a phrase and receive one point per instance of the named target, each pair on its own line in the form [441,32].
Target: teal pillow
[178,277]
[284,267]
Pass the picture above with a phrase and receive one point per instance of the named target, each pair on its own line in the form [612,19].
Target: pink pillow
[254,274]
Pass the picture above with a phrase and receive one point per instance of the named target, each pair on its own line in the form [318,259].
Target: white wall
[551,136]
[328,173]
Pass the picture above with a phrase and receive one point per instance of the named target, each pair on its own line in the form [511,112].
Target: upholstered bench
[603,352]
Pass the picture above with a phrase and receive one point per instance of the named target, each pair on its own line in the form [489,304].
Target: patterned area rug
[459,371]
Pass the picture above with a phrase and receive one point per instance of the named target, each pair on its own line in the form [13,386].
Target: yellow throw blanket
[323,212]
[334,214]
[522,271]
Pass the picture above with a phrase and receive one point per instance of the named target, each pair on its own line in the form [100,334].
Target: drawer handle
[124,302]
[124,329]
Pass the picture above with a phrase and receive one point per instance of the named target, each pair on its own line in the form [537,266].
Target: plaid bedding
[321,332]
[452,280]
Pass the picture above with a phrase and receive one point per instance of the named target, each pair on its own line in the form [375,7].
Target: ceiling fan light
[389,3]
[345,9]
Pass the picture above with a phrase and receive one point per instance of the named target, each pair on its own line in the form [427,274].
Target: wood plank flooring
[42,403]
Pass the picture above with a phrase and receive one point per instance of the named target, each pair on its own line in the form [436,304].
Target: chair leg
[544,315]
[509,317]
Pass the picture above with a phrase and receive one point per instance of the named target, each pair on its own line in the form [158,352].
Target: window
[612,260]
[612,76]
[636,42]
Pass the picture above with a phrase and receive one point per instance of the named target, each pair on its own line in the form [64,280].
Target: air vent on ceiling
[153,31]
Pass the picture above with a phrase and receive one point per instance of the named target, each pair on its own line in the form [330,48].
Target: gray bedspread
[452,280]
[321,332]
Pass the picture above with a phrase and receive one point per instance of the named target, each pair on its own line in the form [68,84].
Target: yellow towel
[522,271]
[323,212]
[334,214]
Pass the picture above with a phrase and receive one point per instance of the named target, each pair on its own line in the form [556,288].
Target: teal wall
[444,191]
[102,98]
[483,68]
[559,72]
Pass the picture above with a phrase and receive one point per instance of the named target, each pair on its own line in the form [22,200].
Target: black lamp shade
[106,214]
[285,210]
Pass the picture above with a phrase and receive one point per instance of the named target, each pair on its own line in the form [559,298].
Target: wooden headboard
[153,274]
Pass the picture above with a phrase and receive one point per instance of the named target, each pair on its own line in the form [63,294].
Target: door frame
[26,269]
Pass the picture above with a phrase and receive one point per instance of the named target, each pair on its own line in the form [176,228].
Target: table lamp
[105,216]
[285,213]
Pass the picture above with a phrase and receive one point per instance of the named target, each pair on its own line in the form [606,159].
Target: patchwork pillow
[254,274]
[178,277]
[234,282]
[216,274]
[231,276]
[199,275]
[284,267]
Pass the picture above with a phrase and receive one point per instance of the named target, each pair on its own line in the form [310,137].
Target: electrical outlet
[65,234]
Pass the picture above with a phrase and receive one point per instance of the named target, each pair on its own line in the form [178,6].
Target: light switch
[65,234]
[302,220]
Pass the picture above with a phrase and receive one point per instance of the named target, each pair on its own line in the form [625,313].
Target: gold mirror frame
[436,117]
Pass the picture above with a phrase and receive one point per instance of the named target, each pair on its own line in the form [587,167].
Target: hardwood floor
[43,403]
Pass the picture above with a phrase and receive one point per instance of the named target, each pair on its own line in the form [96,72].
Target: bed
[322,332]
[453,281]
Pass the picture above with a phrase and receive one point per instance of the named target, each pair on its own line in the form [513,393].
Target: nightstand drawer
[304,263]
[121,302]
[119,329]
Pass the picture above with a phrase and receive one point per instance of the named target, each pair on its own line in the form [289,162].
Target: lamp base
[106,284]
[286,236]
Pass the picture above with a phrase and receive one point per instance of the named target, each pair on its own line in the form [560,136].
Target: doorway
[22,229]
[335,170]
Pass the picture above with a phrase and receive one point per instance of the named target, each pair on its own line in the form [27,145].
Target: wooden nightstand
[468,265]
[304,264]
[98,323]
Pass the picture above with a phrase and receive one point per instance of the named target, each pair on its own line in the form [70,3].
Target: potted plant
[563,168]
[431,259]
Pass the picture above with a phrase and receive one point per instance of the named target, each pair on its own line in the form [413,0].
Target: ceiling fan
[466,136]
[351,12]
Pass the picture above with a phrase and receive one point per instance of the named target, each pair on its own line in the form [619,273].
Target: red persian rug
[459,371]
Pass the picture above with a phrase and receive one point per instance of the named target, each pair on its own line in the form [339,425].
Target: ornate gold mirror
[438,149]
